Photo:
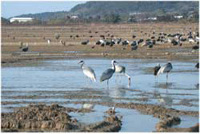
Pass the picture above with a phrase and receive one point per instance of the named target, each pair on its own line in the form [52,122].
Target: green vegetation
[120,11]
[4,21]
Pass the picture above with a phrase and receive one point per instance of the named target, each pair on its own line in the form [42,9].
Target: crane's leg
[155,81]
[167,78]
[129,79]
[117,77]
[107,83]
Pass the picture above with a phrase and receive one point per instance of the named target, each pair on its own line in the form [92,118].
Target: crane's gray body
[107,74]
[165,69]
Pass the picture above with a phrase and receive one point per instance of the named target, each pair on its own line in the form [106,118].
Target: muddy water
[59,81]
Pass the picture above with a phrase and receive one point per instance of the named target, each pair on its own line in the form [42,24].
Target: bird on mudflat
[88,71]
[25,48]
[107,74]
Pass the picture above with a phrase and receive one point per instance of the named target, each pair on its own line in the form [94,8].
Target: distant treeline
[118,12]
[110,18]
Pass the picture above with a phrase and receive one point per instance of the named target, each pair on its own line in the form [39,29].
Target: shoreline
[9,59]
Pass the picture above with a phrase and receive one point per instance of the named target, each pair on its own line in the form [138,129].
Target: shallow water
[53,81]
[131,120]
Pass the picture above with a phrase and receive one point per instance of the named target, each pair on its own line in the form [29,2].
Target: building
[178,17]
[74,17]
[21,19]
[152,18]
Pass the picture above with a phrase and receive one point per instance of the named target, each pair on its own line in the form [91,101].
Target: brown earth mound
[43,118]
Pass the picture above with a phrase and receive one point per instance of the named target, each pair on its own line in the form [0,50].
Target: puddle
[131,120]
[187,121]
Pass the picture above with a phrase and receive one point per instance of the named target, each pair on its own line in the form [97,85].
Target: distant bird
[191,40]
[88,71]
[197,65]
[133,36]
[25,48]
[195,47]
[48,41]
[156,69]
[87,106]
[165,69]
[174,42]
[85,42]
[134,47]
[166,100]
[62,42]
[122,69]
[134,43]
[119,40]
[125,42]
[100,42]
[140,41]
[107,74]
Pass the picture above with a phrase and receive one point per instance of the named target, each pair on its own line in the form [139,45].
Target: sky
[14,8]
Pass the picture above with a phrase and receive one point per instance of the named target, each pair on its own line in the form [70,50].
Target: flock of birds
[161,38]
[116,68]
[153,39]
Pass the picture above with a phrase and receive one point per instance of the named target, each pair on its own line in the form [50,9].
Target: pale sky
[14,8]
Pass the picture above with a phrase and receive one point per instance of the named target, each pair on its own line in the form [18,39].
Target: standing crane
[165,69]
[107,74]
[88,71]
[122,70]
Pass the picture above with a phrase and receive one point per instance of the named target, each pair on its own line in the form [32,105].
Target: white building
[74,17]
[21,19]
[152,18]
[178,17]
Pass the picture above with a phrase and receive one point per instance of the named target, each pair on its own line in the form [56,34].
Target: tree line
[110,18]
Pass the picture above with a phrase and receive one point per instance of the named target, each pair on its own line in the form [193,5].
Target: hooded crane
[107,74]
[88,71]
[197,65]
[24,48]
[156,69]
[85,42]
[165,69]
[122,69]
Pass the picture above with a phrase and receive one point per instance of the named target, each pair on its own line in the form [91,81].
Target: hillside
[46,15]
[101,8]
[123,8]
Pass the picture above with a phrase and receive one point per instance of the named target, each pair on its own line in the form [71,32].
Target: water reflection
[165,85]
[197,86]
[164,100]
[117,92]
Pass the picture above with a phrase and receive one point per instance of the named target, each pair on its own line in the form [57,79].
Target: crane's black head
[169,62]
[81,62]
[113,61]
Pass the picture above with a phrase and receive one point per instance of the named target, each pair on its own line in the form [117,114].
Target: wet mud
[53,118]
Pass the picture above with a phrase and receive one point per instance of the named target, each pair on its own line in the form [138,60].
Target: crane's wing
[106,74]
[89,72]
